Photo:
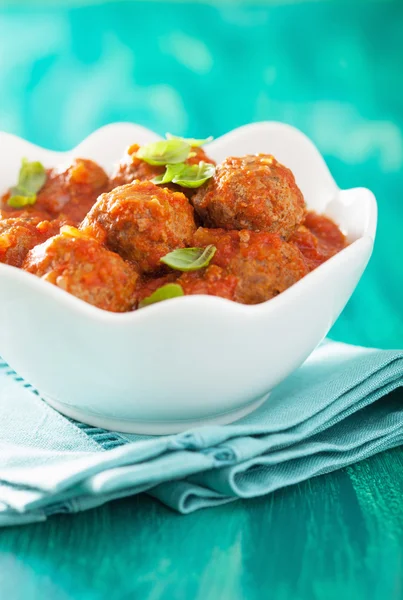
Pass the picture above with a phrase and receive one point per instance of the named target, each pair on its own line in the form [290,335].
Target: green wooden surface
[338,536]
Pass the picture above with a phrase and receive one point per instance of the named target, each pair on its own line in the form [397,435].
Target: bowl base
[150,427]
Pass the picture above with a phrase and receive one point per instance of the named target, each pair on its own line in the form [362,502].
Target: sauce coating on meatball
[248,267]
[84,268]
[251,192]
[19,235]
[68,193]
[142,222]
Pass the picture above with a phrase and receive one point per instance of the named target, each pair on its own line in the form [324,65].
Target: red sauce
[214,281]
[318,239]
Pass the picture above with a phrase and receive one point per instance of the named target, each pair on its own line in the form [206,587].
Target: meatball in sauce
[142,222]
[252,192]
[255,239]
[83,267]
[19,235]
[249,267]
[68,193]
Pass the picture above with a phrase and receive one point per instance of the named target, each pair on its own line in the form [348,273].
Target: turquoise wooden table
[336,536]
[335,71]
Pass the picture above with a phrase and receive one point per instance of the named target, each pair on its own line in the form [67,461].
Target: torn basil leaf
[171,172]
[194,142]
[31,179]
[165,292]
[189,259]
[191,176]
[164,152]
[18,201]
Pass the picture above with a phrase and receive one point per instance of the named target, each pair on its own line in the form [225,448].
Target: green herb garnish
[191,176]
[165,292]
[171,172]
[31,178]
[164,152]
[18,201]
[189,259]
[194,142]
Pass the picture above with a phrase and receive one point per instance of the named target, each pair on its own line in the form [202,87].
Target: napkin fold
[335,410]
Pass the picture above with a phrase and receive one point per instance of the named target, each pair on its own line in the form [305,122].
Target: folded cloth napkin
[326,415]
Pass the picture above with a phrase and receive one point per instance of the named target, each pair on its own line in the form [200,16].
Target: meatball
[248,267]
[318,239]
[73,191]
[251,192]
[142,222]
[23,213]
[19,235]
[68,193]
[131,167]
[81,266]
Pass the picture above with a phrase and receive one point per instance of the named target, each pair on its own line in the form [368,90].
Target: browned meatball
[142,222]
[251,192]
[68,193]
[72,192]
[131,167]
[19,235]
[81,266]
[248,267]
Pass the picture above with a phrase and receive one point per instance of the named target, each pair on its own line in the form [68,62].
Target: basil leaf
[189,259]
[166,151]
[18,201]
[31,179]
[160,179]
[171,172]
[193,176]
[165,292]
[194,142]
[32,176]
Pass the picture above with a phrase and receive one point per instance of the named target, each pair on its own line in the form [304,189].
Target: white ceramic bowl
[187,361]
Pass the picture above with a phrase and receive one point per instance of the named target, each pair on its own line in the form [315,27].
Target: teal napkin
[335,410]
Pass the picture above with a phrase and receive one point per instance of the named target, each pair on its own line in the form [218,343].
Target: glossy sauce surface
[318,239]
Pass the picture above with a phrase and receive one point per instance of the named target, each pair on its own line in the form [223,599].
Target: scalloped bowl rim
[197,301]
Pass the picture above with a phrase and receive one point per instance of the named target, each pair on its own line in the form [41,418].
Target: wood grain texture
[336,536]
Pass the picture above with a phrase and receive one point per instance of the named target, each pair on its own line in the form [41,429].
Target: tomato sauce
[318,239]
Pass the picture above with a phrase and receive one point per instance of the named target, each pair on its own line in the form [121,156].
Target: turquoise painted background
[333,69]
